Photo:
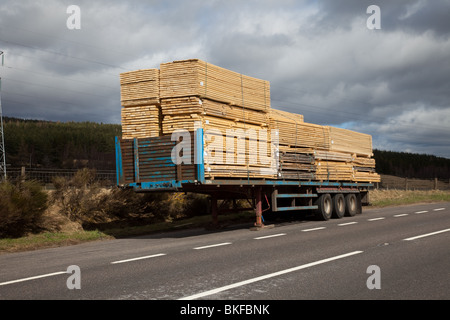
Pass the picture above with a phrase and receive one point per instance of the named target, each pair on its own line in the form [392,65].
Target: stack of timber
[140,122]
[199,78]
[244,136]
[231,108]
[293,132]
[140,87]
[313,152]
[183,112]
[296,164]
[140,101]
[350,141]
[239,153]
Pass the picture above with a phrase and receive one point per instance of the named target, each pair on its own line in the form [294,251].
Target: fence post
[435,183]
[406,184]
[22,174]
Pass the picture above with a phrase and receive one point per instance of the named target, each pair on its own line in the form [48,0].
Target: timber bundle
[235,113]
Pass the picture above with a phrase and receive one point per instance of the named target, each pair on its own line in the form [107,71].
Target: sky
[335,62]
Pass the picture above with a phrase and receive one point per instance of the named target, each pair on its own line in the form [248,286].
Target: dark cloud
[319,56]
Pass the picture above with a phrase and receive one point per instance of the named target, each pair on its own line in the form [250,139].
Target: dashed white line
[419,212]
[376,219]
[439,209]
[313,229]
[401,215]
[139,258]
[213,245]
[267,276]
[33,278]
[270,236]
[426,235]
[347,223]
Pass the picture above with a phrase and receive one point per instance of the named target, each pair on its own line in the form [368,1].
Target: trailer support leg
[258,208]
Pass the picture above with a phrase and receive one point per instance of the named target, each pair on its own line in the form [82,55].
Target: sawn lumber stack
[244,136]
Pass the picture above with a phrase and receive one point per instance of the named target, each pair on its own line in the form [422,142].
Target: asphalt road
[391,253]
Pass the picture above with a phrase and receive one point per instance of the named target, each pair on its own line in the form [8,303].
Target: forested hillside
[411,165]
[70,145]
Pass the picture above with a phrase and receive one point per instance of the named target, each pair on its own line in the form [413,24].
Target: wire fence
[108,177]
[398,183]
[46,176]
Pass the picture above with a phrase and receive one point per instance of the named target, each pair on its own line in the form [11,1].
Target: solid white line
[267,276]
[418,212]
[426,235]
[347,223]
[33,278]
[139,258]
[271,236]
[213,245]
[439,209]
[401,215]
[375,219]
[314,229]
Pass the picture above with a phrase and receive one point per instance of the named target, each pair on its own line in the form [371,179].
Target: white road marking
[267,276]
[139,258]
[313,229]
[426,235]
[33,278]
[401,215]
[375,219]
[271,236]
[419,212]
[439,209]
[213,245]
[347,223]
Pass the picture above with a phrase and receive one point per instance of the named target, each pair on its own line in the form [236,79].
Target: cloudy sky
[320,56]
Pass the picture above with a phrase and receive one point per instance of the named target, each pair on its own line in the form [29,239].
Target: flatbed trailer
[147,165]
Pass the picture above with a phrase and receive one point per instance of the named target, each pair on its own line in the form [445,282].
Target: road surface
[390,253]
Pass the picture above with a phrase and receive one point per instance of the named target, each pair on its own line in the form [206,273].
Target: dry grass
[384,198]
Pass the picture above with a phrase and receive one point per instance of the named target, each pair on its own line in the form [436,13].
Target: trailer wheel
[351,205]
[325,207]
[338,206]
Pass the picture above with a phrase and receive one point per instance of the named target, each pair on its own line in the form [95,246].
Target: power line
[2,136]
[56,77]
[62,54]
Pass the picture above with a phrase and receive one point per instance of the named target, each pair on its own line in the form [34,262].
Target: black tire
[325,207]
[351,205]
[359,203]
[338,206]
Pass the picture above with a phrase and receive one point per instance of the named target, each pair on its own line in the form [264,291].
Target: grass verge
[50,239]
[57,239]
[385,198]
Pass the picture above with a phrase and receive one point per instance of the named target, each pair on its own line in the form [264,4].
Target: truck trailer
[191,126]
[148,165]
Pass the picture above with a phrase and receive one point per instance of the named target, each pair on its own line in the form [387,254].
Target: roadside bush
[84,200]
[79,197]
[22,205]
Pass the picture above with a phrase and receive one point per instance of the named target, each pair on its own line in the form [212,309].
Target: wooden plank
[199,78]
[139,87]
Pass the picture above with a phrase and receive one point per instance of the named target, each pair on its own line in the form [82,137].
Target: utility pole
[2,136]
